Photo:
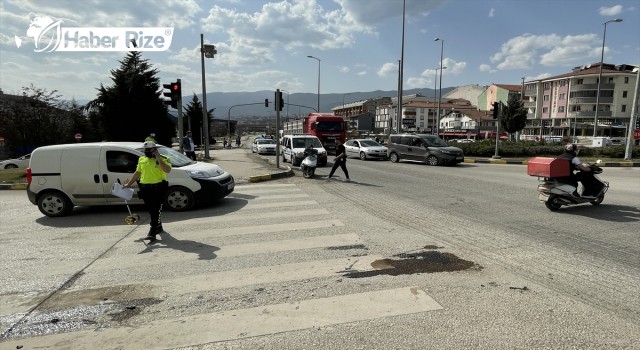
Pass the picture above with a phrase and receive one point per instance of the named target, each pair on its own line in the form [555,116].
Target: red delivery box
[548,167]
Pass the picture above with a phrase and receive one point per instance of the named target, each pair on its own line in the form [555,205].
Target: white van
[60,177]
[292,148]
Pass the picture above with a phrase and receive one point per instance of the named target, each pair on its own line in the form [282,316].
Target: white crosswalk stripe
[257,228]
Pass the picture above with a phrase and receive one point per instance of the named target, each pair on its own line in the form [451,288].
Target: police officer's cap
[149,144]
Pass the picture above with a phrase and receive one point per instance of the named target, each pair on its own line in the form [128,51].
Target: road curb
[18,186]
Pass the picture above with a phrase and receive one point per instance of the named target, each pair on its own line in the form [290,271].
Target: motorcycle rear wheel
[551,204]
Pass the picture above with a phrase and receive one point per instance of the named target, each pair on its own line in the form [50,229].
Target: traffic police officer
[152,172]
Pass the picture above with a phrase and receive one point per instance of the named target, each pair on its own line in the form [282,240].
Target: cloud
[372,11]
[417,83]
[610,11]
[486,68]
[492,12]
[388,69]
[524,51]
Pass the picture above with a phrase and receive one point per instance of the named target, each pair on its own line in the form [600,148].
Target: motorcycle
[555,192]
[309,163]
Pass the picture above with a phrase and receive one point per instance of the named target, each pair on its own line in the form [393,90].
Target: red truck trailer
[328,127]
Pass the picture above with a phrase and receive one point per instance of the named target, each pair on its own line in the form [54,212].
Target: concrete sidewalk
[245,166]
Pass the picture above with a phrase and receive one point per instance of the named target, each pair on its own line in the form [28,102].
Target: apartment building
[564,106]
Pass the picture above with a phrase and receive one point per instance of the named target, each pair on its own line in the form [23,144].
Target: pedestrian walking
[188,146]
[224,143]
[238,141]
[340,160]
[152,170]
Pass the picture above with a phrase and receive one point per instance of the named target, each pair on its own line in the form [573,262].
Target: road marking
[298,204]
[239,278]
[174,255]
[253,216]
[255,229]
[245,323]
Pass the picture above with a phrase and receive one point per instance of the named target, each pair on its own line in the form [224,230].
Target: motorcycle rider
[585,173]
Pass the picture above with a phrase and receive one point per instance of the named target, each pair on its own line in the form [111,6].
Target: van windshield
[306,142]
[176,158]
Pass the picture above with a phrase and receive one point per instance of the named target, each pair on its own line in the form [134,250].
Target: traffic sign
[78,137]
[636,134]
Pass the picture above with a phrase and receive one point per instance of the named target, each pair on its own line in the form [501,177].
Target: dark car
[429,149]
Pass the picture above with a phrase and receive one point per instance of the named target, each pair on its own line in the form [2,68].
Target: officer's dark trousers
[153,196]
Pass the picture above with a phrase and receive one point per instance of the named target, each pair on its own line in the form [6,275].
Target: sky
[357,44]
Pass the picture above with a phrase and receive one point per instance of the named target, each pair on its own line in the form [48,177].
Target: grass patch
[8,176]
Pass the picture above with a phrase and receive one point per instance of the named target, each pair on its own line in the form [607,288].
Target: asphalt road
[405,256]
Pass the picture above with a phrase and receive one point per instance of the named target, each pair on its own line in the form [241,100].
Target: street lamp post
[595,119]
[207,51]
[316,58]
[440,89]
[288,93]
[435,97]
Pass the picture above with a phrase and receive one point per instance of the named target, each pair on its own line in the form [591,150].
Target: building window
[560,109]
[580,82]
[547,86]
[545,98]
[545,110]
[610,80]
[624,94]
[626,80]
[562,96]
[624,108]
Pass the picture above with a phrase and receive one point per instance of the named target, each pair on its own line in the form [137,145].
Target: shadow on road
[605,212]
[167,241]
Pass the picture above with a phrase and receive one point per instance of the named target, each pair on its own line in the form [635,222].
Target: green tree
[38,117]
[514,115]
[192,119]
[133,107]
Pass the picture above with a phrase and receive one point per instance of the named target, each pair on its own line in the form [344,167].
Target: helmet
[570,148]
[149,144]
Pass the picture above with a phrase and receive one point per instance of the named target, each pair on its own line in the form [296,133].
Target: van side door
[80,175]
[418,149]
[116,166]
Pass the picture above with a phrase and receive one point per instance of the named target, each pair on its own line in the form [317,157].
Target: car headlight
[447,152]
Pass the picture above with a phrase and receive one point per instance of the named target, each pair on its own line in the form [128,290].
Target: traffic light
[266,102]
[174,93]
[496,109]
[279,101]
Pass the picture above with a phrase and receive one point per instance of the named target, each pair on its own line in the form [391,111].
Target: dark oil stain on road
[412,263]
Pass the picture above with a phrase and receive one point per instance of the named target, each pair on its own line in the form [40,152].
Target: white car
[18,163]
[264,146]
[365,149]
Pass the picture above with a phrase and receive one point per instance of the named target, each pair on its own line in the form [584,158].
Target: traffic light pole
[180,128]
[497,107]
[205,115]
[633,122]
[278,103]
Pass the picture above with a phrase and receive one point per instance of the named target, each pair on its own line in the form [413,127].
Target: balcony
[530,92]
[533,104]
[585,114]
[586,87]
[589,100]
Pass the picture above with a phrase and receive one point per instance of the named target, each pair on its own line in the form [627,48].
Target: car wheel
[11,166]
[179,199]
[432,160]
[393,157]
[54,204]
[363,156]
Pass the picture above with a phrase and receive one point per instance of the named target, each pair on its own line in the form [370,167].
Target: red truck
[328,127]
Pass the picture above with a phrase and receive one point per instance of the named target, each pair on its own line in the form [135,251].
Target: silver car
[365,149]
[264,146]
[18,163]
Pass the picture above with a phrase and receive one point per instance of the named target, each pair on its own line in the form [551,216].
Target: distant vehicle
[365,149]
[18,163]
[293,146]
[423,148]
[327,127]
[464,140]
[263,146]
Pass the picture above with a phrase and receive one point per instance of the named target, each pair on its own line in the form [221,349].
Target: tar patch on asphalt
[412,263]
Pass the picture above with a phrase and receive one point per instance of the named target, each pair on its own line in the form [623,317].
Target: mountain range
[246,104]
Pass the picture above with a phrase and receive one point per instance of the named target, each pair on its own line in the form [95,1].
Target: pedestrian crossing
[277,235]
